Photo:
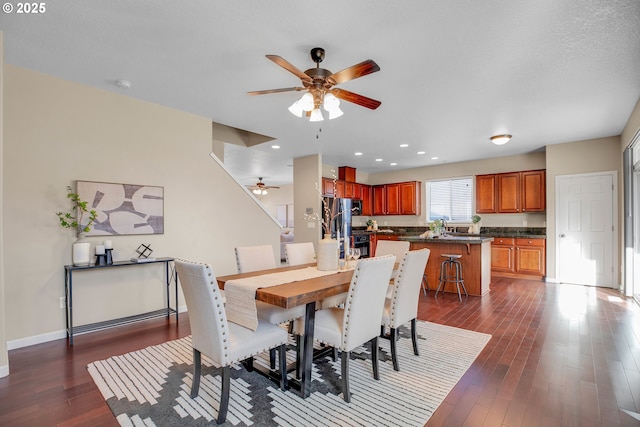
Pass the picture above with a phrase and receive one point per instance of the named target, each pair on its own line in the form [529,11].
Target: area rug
[150,387]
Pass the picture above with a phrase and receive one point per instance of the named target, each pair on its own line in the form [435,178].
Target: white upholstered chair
[299,253]
[392,247]
[349,327]
[254,258]
[223,342]
[402,307]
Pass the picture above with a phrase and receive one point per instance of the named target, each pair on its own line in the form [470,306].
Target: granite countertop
[413,233]
[474,240]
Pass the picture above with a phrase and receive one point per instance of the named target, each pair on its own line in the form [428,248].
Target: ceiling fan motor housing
[317,54]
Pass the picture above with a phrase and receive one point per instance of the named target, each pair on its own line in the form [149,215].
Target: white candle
[99,249]
[108,244]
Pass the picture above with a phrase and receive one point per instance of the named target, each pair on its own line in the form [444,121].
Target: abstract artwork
[124,209]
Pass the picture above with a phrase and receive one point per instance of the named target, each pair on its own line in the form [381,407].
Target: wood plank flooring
[560,355]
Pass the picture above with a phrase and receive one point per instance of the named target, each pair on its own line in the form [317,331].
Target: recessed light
[393,164]
[435,158]
[378,160]
[421,152]
[404,145]
[275,146]
[357,154]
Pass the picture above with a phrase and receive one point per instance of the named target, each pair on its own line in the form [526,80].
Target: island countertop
[473,240]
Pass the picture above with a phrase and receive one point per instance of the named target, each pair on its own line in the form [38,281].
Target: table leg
[69,305]
[307,349]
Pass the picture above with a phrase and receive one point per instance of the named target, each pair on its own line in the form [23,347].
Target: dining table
[307,292]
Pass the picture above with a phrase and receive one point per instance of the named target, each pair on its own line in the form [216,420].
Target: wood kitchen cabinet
[327,187]
[513,192]
[518,257]
[367,199]
[341,189]
[402,198]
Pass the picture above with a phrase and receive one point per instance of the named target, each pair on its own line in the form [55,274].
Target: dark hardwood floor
[560,355]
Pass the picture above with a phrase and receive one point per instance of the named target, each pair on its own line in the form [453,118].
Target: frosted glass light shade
[306,102]
[296,109]
[500,139]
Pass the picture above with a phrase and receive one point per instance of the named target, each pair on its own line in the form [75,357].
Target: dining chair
[254,258]
[392,247]
[299,253]
[222,341]
[352,326]
[403,304]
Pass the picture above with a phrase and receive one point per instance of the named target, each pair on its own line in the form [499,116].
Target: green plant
[476,219]
[73,219]
[435,225]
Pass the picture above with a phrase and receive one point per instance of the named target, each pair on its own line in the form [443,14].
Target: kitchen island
[476,260]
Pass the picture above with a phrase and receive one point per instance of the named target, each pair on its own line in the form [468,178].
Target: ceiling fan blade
[356,98]
[355,71]
[286,89]
[288,66]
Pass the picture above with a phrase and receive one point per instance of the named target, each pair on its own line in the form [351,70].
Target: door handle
[563,235]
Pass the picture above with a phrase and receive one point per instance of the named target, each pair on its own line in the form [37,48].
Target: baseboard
[4,371]
[551,280]
[51,336]
[36,339]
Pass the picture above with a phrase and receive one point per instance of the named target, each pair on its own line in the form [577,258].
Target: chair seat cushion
[244,342]
[328,326]
[276,315]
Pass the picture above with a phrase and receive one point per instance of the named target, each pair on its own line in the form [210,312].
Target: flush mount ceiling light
[500,139]
[320,92]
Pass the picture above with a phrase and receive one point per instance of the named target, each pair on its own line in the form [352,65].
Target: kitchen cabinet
[530,257]
[402,198]
[518,257]
[513,192]
[341,189]
[363,192]
[328,187]
[486,194]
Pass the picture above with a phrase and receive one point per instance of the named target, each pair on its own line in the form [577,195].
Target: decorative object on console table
[80,250]
[108,248]
[144,252]
[100,255]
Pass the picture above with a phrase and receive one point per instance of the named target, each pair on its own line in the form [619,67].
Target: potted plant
[75,218]
[475,227]
[436,227]
[370,225]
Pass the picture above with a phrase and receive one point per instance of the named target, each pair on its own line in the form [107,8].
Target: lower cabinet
[518,257]
[373,241]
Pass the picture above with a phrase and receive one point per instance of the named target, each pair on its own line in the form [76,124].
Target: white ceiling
[453,73]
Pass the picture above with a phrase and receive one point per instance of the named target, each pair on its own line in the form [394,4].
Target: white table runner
[241,293]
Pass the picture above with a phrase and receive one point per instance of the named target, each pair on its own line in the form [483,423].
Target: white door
[585,231]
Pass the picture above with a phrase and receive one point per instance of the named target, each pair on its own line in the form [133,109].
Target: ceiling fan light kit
[318,83]
[500,139]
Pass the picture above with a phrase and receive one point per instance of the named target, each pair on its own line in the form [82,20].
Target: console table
[68,288]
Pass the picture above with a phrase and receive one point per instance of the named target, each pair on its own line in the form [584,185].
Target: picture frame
[123,209]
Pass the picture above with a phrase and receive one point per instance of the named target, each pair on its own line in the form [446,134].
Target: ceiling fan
[319,84]
[260,188]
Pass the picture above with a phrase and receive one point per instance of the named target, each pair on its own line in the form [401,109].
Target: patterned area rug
[151,387]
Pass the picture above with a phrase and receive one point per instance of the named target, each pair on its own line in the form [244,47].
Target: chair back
[254,258]
[207,317]
[406,289]
[299,253]
[392,247]
[365,300]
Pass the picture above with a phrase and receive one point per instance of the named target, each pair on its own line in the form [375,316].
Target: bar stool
[425,285]
[451,271]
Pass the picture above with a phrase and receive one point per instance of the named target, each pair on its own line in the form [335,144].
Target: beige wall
[57,132]
[307,173]
[4,357]
[595,155]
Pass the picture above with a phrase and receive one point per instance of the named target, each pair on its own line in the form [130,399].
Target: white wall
[57,132]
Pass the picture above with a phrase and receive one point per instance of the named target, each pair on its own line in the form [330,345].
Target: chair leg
[224,394]
[282,355]
[414,336]
[394,349]
[344,365]
[382,331]
[248,364]
[334,354]
[195,385]
[272,358]
[374,357]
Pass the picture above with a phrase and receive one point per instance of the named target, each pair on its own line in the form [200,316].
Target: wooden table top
[297,293]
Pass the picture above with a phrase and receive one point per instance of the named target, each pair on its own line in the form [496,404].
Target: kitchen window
[451,199]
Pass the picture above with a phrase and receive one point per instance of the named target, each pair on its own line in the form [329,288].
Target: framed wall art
[124,209]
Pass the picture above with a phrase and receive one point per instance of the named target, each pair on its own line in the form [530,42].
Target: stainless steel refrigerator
[340,211]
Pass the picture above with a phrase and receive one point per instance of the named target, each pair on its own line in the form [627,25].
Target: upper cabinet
[513,192]
[402,198]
